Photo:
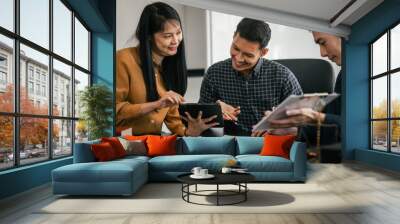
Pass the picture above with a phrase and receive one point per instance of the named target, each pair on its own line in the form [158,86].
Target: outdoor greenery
[380,128]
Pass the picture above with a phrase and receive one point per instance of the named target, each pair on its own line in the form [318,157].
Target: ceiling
[331,16]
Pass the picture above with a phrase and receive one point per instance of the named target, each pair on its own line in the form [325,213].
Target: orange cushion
[277,145]
[161,145]
[116,145]
[103,151]
[134,137]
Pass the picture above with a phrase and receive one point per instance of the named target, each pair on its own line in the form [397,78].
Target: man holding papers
[246,85]
[329,134]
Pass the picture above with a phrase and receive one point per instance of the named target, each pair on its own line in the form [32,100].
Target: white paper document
[315,101]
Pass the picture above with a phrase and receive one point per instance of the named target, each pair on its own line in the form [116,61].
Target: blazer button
[152,121]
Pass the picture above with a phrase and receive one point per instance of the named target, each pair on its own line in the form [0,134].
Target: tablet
[208,110]
[315,101]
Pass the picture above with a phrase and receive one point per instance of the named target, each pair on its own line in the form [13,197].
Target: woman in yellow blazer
[152,79]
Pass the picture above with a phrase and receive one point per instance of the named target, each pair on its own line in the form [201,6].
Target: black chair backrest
[314,75]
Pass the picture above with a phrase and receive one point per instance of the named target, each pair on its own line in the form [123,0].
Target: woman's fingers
[189,118]
[206,120]
[212,125]
[199,115]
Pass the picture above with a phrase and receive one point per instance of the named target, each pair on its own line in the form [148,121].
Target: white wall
[286,42]
[128,14]
[193,24]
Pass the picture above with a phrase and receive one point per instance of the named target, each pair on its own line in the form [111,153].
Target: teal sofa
[125,176]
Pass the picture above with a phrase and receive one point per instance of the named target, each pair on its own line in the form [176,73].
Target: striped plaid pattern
[267,86]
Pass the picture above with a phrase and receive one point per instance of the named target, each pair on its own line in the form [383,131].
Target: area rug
[167,198]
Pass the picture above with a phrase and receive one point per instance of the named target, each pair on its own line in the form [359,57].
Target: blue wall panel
[24,178]
[356,66]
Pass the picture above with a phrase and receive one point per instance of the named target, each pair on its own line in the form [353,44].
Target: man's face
[330,46]
[245,54]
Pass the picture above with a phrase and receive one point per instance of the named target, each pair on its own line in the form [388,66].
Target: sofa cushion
[83,152]
[185,163]
[161,145]
[116,145]
[103,151]
[134,147]
[257,163]
[118,171]
[277,145]
[249,145]
[206,145]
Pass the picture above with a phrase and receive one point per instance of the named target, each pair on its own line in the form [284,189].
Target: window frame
[388,74]
[15,71]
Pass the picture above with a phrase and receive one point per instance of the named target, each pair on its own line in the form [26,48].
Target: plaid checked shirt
[267,86]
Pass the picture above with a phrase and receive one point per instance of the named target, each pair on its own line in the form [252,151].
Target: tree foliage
[33,130]
[380,127]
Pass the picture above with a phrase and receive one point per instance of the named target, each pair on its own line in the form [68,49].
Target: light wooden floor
[378,188]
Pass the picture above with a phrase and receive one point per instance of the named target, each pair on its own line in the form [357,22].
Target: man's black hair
[254,30]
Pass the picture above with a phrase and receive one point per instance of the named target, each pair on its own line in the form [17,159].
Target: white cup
[203,172]
[196,170]
[226,170]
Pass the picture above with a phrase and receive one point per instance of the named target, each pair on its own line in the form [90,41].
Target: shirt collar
[256,70]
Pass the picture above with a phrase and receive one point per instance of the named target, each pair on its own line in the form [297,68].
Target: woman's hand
[197,125]
[229,112]
[170,98]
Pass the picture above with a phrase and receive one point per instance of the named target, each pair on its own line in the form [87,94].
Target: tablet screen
[208,110]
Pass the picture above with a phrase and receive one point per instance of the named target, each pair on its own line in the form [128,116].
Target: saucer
[208,176]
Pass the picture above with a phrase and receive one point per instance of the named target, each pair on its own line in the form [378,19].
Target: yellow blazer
[131,93]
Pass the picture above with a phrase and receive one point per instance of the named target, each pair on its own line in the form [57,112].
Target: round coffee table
[238,179]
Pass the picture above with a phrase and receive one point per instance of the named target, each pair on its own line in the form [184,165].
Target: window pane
[379,55]
[6,74]
[6,142]
[34,72]
[395,47]
[7,14]
[81,81]
[62,29]
[395,95]
[62,138]
[35,21]
[395,136]
[379,97]
[379,135]
[81,45]
[62,89]
[33,139]
[81,131]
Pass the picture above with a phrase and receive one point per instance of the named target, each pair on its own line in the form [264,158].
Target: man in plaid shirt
[246,85]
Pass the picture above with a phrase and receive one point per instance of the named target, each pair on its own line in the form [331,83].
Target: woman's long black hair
[174,71]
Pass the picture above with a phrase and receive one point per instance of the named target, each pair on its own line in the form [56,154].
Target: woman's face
[166,42]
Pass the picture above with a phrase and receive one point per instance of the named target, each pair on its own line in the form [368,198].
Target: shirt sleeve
[290,84]
[208,92]
[332,119]
[124,109]
[173,121]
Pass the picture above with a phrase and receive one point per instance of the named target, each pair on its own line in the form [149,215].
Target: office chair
[314,75]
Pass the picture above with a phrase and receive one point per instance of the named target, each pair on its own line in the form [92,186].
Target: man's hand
[229,112]
[170,98]
[298,117]
[197,125]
